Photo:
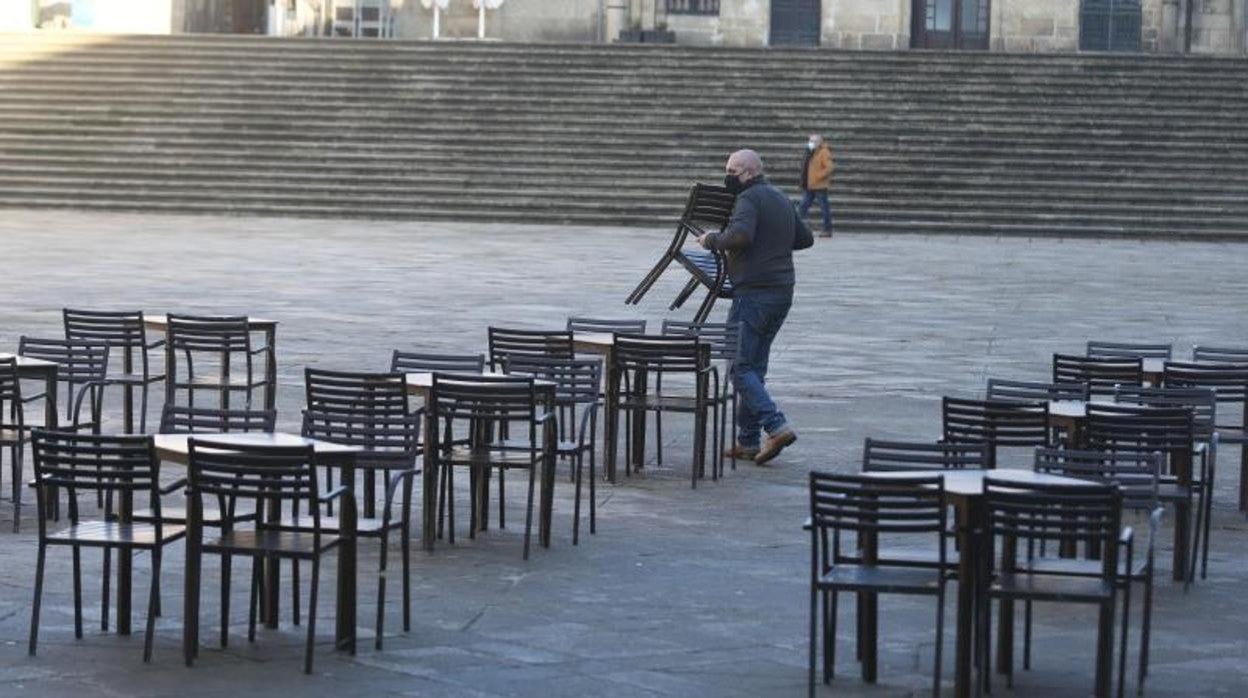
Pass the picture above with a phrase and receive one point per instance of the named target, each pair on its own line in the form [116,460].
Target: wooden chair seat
[364,526]
[666,403]
[1082,567]
[177,515]
[881,578]
[108,533]
[284,543]
[1050,587]
[494,454]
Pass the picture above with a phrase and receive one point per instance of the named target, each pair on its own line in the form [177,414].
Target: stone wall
[515,20]
[870,25]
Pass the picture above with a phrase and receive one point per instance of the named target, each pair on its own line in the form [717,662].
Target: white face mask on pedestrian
[811,145]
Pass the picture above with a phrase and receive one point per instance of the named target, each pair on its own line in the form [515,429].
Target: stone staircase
[925,142]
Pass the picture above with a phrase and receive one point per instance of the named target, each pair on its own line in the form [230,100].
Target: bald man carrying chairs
[758,242]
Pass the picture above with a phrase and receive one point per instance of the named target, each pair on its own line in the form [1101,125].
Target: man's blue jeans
[808,197]
[761,312]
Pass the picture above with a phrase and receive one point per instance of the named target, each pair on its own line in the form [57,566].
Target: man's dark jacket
[760,237]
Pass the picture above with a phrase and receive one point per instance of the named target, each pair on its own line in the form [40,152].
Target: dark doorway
[1110,25]
[247,16]
[795,22]
[950,24]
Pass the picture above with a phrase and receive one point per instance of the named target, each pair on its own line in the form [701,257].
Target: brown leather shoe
[739,452]
[774,444]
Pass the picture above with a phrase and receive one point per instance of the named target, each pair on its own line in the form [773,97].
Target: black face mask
[733,184]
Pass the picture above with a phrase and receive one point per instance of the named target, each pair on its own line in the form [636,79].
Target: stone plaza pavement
[681,593]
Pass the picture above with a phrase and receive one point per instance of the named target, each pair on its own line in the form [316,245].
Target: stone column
[1169,40]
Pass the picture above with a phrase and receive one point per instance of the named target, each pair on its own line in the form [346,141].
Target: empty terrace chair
[1229,382]
[591,324]
[578,401]
[281,480]
[724,340]
[872,511]
[82,367]
[13,429]
[1101,375]
[1021,517]
[1137,475]
[224,345]
[893,456]
[707,210]
[1129,350]
[997,424]
[684,359]
[504,342]
[122,466]
[126,336]
[369,411]
[421,362]
[478,408]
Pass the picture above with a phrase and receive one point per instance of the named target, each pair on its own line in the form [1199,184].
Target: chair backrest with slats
[504,342]
[995,423]
[660,354]
[368,410]
[1136,473]
[1128,350]
[1203,403]
[116,329]
[419,362]
[210,334]
[1228,381]
[178,419]
[1220,355]
[876,506]
[10,386]
[1101,375]
[1028,391]
[724,338]
[576,381]
[77,361]
[253,473]
[709,207]
[1063,513]
[79,461]
[1168,430]
[591,324]
[881,456]
[485,400]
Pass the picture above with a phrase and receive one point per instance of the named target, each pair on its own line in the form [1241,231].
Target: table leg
[429,485]
[190,588]
[609,426]
[1182,519]
[125,565]
[270,369]
[273,574]
[968,521]
[344,635]
[50,411]
[639,426]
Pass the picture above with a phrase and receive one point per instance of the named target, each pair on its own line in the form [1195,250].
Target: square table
[964,490]
[174,448]
[38,369]
[420,384]
[160,323]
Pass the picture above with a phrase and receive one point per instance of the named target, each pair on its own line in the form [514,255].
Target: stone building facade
[1198,26]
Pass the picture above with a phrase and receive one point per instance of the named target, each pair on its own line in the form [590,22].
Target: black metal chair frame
[707,209]
[606,325]
[724,339]
[124,331]
[996,423]
[266,476]
[1062,514]
[1229,382]
[644,355]
[1102,375]
[490,405]
[222,338]
[370,411]
[120,465]
[81,366]
[1129,350]
[507,341]
[13,430]
[871,507]
[422,362]
[1001,390]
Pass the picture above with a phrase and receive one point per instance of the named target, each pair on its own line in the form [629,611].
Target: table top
[1074,409]
[160,323]
[26,362]
[970,483]
[592,341]
[1154,365]
[174,446]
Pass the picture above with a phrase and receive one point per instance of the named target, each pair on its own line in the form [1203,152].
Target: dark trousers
[761,312]
[808,197]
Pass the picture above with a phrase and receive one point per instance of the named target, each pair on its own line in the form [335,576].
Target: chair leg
[528,517]
[812,639]
[77,593]
[105,593]
[225,598]
[502,516]
[294,591]
[38,602]
[253,598]
[1122,649]
[1204,547]
[1105,650]
[405,541]
[1026,636]
[143,410]
[316,580]
[1193,552]
[18,453]
[940,641]
[593,494]
[153,601]
[381,588]
[1145,630]
[829,639]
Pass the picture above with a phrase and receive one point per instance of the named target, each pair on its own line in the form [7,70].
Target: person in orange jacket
[816,176]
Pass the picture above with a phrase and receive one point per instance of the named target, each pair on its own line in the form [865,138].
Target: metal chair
[1129,350]
[125,334]
[13,430]
[613,326]
[995,423]
[1000,390]
[870,509]
[369,411]
[269,476]
[123,466]
[677,357]
[481,406]
[420,362]
[1229,382]
[895,456]
[577,400]
[1138,477]
[1023,516]
[219,340]
[724,339]
[81,366]
[1102,375]
[504,342]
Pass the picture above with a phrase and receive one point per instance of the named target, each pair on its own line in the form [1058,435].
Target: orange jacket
[819,168]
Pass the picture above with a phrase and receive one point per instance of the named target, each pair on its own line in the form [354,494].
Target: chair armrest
[256,352]
[173,486]
[36,396]
[545,417]
[807,524]
[333,494]
[156,344]
[1127,537]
